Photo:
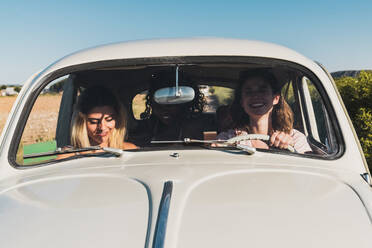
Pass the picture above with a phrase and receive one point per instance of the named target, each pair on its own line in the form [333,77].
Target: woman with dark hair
[100,120]
[259,108]
[172,121]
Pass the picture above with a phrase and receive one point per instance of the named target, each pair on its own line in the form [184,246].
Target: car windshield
[271,106]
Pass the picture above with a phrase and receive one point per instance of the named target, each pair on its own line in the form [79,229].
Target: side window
[290,93]
[39,134]
[319,124]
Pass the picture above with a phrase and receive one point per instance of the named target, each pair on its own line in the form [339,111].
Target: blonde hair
[89,99]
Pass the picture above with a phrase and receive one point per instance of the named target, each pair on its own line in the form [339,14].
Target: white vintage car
[190,190]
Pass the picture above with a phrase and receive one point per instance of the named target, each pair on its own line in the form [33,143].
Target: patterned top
[300,142]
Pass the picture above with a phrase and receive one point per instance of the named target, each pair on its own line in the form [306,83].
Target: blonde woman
[259,108]
[100,120]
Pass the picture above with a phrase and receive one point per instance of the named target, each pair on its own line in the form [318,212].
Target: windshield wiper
[233,142]
[59,150]
[225,143]
[186,141]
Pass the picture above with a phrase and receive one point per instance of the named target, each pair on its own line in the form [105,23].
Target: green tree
[357,96]
[3,87]
[17,89]
[58,87]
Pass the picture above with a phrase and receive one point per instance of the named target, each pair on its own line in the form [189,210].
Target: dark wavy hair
[193,108]
[282,115]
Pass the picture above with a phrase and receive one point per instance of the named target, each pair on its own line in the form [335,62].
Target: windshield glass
[265,107]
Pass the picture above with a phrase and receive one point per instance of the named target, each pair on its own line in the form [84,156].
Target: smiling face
[257,97]
[100,125]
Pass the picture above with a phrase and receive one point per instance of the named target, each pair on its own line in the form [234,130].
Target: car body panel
[113,210]
[243,197]
[292,209]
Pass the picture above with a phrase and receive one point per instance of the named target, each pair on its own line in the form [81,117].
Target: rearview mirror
[171,95]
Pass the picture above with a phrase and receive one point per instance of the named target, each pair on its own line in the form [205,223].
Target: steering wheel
[263,137]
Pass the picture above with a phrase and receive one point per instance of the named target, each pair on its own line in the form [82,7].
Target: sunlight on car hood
[274,209]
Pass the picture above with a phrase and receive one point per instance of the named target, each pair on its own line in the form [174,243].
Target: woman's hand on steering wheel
[278,139]
[281,140]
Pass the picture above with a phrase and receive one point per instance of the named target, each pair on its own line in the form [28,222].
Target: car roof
[180,47]
[144,52]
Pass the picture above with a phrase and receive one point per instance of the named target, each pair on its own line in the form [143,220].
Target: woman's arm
[296,139]
[129,146]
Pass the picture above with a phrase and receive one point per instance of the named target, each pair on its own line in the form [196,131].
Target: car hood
[274,208]
[86,210]
[211,205]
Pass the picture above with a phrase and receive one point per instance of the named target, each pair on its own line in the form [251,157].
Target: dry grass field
[6,103]
[42,121]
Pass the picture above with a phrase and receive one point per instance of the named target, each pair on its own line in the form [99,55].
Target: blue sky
[36,33]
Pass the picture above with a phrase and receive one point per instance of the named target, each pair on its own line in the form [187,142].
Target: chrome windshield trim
[161,223]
